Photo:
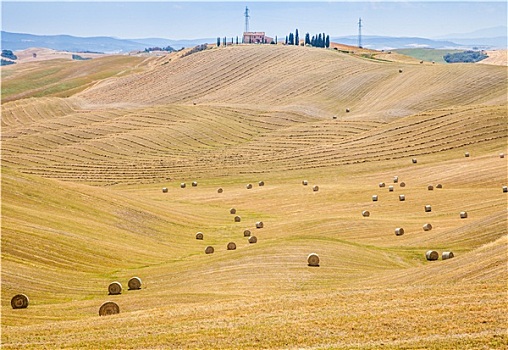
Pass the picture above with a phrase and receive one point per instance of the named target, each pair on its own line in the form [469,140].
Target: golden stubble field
[83,206]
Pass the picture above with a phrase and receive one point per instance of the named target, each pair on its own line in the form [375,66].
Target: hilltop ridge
[303,78]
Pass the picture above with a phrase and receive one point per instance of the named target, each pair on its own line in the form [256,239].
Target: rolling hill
[82,204]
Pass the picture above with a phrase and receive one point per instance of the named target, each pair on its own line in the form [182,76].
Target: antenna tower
[246,19]
[360,33]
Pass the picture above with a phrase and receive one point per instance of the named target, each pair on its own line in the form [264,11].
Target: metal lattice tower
[360,33]
[246,19]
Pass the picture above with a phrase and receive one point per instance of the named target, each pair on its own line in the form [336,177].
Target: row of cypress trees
[319,40]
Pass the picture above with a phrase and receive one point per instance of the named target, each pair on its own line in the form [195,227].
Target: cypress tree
[218,41]
[297,38]
[307,39]
[327,41]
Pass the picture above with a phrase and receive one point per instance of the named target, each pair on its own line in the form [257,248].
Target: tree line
[318,40]
[465,57]
[9,54]
[156,48]
[225,41]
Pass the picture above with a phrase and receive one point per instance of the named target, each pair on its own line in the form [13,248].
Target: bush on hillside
[79,58]
[6,62]
[9,54]
[465,57]
[196,49]
[156,48]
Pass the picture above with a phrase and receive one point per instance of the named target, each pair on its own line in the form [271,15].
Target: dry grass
[62,77]
[496,57]
[82,206]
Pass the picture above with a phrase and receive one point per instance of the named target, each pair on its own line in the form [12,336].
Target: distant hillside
[494,37]
[499,42]
[176,44]
[18,41]
[386,43]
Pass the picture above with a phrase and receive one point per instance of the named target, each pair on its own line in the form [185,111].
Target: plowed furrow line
[222,82]
[319,156]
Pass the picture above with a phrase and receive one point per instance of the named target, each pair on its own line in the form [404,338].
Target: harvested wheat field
[496,57]
[82,205]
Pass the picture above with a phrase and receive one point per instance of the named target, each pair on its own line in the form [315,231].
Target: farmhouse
[256,38]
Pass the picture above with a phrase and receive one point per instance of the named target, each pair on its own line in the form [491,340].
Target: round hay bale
[501,155]
[164,190]
[390,188]
[466,154]
[19,301]
[395,179]
[238,219]
[260,224]
[348,110]
[134,283]
[231,246]
[209,250]
[427,227]
[382,184]
[232,211]
[199,236]
[414,160]
[428,208]
[313,259]
[505,189]
[439,186]
[109,308]
[305,182]
[253,239]
[463,214]
[421,62]
[334,117]
[194,184]
[115,288]
[400,70]
[183,185]
[447,255]
[402,197]
[430,187]
[432,255]
[220,190]
[374,198]
[399,231]
[315,188]
[249,186]
[246,233]
[365,213]
[261,183]
[402,184]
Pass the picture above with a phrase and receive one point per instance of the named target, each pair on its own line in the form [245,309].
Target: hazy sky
[209,19]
